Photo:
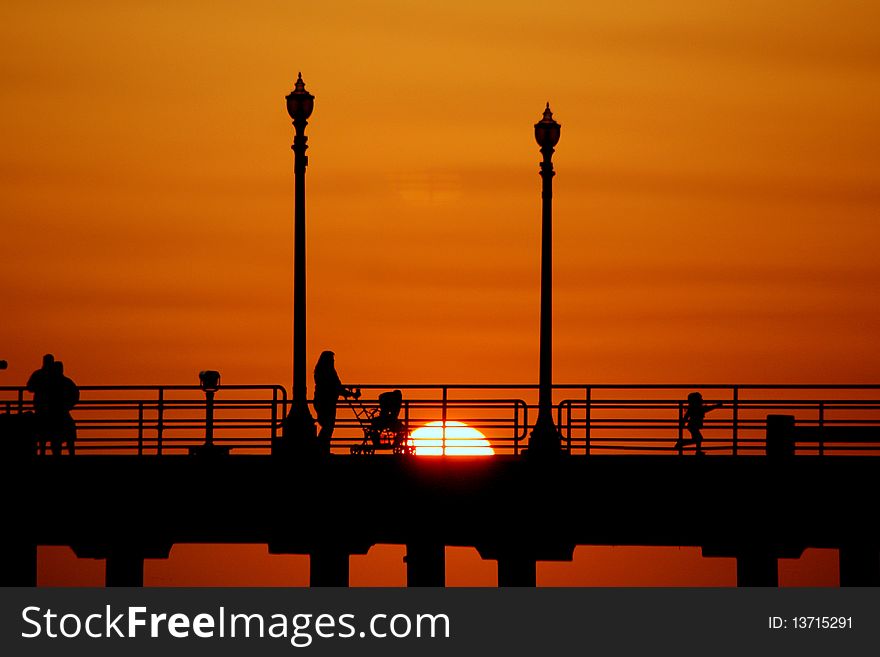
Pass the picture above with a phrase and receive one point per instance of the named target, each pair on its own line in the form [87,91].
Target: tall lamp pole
[300,104]
[545,438]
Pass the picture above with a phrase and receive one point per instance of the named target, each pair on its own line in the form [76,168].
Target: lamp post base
[544,441]
[299,435]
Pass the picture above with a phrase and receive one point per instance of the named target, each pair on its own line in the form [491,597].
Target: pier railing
[592,419]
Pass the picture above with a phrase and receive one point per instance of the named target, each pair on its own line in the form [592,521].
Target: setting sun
[461,440]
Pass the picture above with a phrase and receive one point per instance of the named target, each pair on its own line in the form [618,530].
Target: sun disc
[461,440]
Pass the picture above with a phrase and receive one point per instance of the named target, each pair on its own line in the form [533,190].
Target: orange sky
[715,212]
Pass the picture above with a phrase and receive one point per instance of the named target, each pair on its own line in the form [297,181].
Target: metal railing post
[821,426]
[443,430]
[568,427]
[274,431]
[160,419]
[21,400]
[516,428]
[140,446]
[588,420]
[735,420]
[559,422]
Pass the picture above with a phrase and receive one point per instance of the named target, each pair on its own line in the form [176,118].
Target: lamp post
[544,439]
[299,424]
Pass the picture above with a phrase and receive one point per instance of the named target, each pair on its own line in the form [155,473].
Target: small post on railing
[443,430]
[21,400]
[160,419]
[274,431]
[516,428]
[140,428]
[589,418]
[821,426]
[568,427]
[735,420]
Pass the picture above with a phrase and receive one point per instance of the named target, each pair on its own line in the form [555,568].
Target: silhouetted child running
[693,420]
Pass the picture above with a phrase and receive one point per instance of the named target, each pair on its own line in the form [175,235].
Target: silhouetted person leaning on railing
[328,388]
[693,420]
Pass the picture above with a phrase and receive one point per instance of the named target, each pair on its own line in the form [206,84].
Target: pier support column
[328,567]
[18,563]
[859,565]
[425,564]
[517,570]
[124,568]
[757,567]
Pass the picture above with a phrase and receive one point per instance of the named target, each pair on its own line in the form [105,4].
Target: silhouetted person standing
[39,384]
[328,388]
[693,420]
[63,396]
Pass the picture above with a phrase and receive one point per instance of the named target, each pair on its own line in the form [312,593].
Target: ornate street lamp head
[300,102]
[547,130]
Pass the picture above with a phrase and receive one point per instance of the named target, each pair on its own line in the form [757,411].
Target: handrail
[592,418]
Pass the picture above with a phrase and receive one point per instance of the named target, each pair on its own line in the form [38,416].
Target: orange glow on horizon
[459,440]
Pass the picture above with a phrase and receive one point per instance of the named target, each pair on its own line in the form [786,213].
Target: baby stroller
[382,428]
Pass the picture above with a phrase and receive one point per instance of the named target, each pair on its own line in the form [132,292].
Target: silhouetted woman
[328,387]
[693,420]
